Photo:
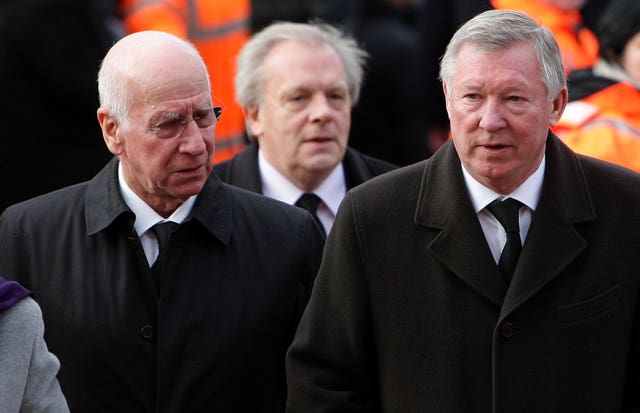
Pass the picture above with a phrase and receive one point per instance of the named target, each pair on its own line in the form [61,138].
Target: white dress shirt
[331,191]
[146,217]
[528,193]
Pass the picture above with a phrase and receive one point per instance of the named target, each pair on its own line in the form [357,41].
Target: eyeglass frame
[182,123]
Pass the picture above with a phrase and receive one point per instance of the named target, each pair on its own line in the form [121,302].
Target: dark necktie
[163,231]
[310,201]
[507,213]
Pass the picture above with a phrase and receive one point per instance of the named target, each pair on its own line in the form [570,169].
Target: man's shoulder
[257,203]
[47,204]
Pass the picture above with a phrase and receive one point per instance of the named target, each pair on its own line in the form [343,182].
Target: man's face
[166,171]
[500,115]
[302,123]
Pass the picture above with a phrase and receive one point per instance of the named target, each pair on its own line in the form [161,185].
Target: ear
[446,97]
[559,104]
[110,128]
[254,122]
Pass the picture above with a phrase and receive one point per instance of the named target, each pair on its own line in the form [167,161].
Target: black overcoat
[239,274]
[409,312]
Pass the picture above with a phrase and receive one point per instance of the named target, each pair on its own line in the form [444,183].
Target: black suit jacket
[409,312]
[242,170]
[213,341]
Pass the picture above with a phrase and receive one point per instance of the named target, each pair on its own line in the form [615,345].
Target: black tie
[507,213]
[163,231]
[310,201]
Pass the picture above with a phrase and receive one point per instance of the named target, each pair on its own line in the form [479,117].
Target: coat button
[508,330]
[147,332]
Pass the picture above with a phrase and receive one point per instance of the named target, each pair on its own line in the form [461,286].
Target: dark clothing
[243,170]
[265,12]
[409,312]
[50,51]
[216,337]
[388,122]
[583,83]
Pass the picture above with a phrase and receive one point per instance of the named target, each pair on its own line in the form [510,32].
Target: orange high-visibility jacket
[219,29]
[605,125]
[578,45]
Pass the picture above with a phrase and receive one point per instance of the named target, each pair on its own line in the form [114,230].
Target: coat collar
[104,204]
[243,171]
[444,205]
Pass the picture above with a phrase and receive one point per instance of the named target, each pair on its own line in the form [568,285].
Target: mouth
[193,170]
[319,139]
[495,147]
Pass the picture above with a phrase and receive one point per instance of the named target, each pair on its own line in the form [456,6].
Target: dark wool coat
[239,274]
[409,312]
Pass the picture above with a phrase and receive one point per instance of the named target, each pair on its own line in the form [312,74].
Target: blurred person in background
[602,118]
[389,120]
[298,83]
[50,51]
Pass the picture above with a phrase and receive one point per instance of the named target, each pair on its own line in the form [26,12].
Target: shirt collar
[528,192]
[275,185]
[146,217]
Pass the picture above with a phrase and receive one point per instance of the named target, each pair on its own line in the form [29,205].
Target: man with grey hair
[298,83]
[162,288]
[500,275]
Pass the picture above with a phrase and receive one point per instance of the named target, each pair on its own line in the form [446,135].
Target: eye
[472,96]
[515,98]
[168,124]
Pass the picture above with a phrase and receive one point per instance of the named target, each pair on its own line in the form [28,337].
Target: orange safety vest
[578,45]
[605,125]
[219,29]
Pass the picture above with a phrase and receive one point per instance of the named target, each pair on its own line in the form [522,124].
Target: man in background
[298,83]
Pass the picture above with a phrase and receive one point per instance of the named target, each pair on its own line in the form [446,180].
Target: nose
[192,139]
[491,118]
[320,109]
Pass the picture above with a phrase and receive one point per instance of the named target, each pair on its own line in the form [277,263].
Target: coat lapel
[460,245]
[552,243]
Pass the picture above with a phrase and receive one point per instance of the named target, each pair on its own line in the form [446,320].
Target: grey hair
[500,29]
[114,92]
[249,74]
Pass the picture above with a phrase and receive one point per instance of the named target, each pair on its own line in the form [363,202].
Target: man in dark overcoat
[501,275]
[162,288]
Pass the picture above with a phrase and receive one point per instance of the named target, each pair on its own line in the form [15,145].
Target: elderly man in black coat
[162,288]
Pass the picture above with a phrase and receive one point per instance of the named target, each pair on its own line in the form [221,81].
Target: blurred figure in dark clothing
[49,56]
[265,12]
[388,122]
